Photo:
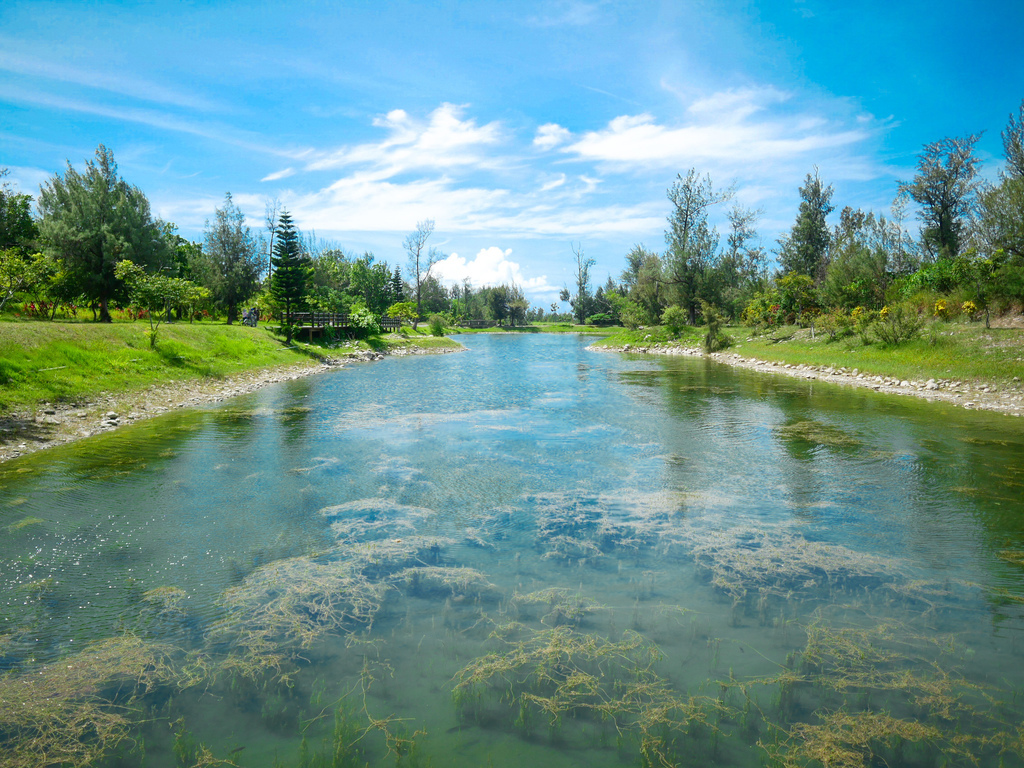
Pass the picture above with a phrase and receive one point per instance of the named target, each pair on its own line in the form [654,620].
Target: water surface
[529,553]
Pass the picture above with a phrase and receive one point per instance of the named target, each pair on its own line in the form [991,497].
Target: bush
[363,322]
[674,319]
[715,339]
[836,324]
[601,318]
[436,323]
[896,324]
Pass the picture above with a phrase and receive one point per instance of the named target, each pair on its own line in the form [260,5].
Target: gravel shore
[1007,399]
[27,432]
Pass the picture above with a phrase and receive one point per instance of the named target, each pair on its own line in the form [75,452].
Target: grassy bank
[72,362]
[963,351]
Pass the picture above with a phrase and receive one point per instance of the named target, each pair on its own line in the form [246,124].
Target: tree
[232,261]
[397,293]
[1013,146]
[804,249]
[421,259]
[17,228]
[643,281]
[581,300]
[692,241]
[291,270]
[371,282]
[91,221]
[157,293]
[271,213]
[1001,207]
[945,188]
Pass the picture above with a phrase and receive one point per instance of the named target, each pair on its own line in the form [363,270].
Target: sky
[522,129]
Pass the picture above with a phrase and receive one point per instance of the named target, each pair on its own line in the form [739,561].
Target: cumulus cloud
[443,140]
[550,135]
[491,266]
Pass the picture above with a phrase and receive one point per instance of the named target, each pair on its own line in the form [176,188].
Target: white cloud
[278,175]
[445,140]
[550,135]
[640,140]
[491,266]
[554,183]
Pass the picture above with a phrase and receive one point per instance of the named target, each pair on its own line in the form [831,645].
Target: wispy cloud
[278,175]
[119,83]
[735,140]
[150,117]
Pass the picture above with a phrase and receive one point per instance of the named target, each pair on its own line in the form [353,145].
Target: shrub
[363,322]
[896,324]
[436,323]
[715,338]
[836,324]
[863,319]
[601,318]
[674,319]
[945,310]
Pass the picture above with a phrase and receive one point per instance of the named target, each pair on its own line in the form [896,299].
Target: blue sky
[519,127]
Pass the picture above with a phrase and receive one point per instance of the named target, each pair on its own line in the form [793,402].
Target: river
[526,554]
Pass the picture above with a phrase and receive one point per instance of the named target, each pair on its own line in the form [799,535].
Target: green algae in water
[586,600]
[816,432]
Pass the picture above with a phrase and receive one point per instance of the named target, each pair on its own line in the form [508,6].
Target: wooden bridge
[315,322]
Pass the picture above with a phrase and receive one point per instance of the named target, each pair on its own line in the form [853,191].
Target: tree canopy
[91,221]
[230,259]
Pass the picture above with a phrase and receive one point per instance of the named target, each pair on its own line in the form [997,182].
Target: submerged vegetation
[837,681]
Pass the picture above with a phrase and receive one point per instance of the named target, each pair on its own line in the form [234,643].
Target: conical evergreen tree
[291,272]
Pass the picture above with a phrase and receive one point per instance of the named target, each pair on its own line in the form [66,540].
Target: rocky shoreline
[52,425]
[973,395]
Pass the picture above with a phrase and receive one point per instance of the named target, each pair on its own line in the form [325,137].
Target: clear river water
[526,554]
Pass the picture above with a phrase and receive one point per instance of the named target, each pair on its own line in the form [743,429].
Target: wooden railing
[312,321]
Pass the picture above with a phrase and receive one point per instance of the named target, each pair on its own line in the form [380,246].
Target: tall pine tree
[291,270]
[803,251]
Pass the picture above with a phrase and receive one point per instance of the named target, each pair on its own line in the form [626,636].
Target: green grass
[964,351]
[72,362]
[646,337]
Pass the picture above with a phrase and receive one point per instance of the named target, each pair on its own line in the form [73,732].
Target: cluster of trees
[970,248]
[96,244]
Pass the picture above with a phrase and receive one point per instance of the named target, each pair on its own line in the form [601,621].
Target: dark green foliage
[1013,145]
[715,339]
[581,301]
[17,228]
[231,262]
[692,242]
[291,270]
[92,220]
[803,251]
[945,188]
[397,294]
[1001,216]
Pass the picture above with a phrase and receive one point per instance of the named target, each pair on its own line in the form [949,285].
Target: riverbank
[39,425]
[1006,397]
